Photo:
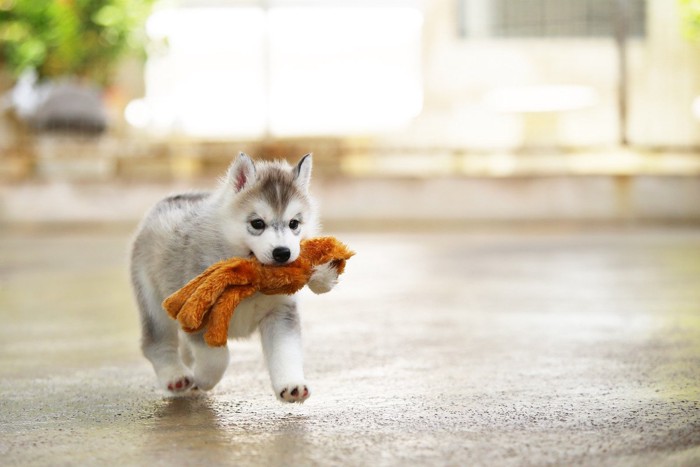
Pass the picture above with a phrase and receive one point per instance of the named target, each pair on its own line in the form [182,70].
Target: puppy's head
[269,210]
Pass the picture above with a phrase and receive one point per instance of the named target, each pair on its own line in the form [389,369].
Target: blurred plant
[690,17]
[83,38]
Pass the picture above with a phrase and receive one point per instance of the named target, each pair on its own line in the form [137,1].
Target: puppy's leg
[159,342]
[210,363]
[281,341]
[185,350]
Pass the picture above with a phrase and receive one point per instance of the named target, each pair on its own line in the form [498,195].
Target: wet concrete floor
[554,346]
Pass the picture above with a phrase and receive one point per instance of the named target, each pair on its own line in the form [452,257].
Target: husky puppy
[261,209]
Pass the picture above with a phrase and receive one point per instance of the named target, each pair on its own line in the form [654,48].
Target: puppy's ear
[241,172]
[302,172]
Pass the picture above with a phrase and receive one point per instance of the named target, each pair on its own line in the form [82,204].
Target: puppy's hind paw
[293,393]
[175,380]
[181,384]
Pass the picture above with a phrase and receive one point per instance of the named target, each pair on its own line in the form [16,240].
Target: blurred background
[437,110]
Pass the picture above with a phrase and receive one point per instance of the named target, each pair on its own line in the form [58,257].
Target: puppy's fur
[261,209]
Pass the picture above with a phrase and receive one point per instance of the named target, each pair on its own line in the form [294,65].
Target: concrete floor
[510,347]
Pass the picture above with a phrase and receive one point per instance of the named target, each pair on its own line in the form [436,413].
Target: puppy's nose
[281,254]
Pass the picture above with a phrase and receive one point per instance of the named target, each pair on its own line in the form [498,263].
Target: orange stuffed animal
[210,299]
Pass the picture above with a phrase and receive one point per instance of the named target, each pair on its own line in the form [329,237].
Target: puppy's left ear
[302,172]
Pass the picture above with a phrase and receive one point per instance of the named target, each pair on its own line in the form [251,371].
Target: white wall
[459,74]
[664,79]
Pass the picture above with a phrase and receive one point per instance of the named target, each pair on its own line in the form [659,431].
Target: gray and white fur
[261,209]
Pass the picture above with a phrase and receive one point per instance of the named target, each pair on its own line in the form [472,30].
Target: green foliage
[690,17]
[70,37]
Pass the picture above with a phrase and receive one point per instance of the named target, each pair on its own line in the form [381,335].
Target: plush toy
[210,299]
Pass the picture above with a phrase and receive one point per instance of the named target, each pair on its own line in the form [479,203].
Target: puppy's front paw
[295,392]
[323,279]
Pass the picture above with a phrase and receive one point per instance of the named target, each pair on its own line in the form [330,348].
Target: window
[282,68]
[549,18]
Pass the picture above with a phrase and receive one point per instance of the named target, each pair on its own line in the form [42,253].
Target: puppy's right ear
[241,172]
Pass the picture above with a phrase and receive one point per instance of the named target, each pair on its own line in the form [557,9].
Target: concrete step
[378,200]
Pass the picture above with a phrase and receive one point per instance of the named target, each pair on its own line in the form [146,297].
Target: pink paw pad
[294,394]
[180,384]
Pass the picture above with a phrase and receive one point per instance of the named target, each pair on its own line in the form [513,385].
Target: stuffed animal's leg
[193,313]
[280,333]
[174,302]
[221,312]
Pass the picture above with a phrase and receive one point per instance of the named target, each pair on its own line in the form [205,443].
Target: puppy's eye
[294,224]
[257,224]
